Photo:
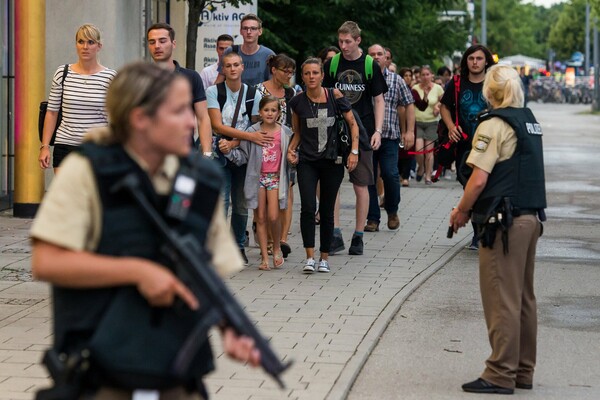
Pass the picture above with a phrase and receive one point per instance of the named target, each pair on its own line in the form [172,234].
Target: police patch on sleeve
[482,143]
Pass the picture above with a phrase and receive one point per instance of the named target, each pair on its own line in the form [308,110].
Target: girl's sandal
[264,266]
[270,248]
[278,260]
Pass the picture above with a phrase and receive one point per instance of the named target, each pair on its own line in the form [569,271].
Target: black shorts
[362,175]
[60,152]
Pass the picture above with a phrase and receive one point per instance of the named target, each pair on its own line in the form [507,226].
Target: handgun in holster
[68,373]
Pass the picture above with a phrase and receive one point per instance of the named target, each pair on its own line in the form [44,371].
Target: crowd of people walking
[265,135]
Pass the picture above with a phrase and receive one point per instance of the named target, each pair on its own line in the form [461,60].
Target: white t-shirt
[243,121]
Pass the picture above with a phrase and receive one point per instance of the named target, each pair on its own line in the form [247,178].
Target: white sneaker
[323,266]
[309,268]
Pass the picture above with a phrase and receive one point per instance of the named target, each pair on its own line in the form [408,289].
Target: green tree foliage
[568,34]
[410,28]
[515,27]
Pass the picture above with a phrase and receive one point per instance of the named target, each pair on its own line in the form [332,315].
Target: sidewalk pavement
[438,339]
[327,323]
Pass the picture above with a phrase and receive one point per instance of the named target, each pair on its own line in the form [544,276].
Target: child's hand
[292,157]
[224,146]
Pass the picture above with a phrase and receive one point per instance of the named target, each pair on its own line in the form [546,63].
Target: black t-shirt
[351,80]
[317,124]
[193,77]
[470,103]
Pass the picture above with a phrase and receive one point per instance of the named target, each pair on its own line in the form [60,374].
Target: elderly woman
[81,94]
[101,254]
[506,197]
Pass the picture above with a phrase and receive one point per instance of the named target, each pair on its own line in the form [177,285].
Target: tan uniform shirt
[494,141]
[71,214]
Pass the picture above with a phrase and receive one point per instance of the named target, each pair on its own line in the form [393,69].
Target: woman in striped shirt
[83,95]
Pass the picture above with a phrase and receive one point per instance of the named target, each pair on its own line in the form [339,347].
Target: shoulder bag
[44,108]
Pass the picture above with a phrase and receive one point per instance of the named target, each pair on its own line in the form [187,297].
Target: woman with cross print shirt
[313,123]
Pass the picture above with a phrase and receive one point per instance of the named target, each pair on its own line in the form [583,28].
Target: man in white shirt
[209,74]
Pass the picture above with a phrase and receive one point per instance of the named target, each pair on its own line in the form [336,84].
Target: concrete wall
[120,21]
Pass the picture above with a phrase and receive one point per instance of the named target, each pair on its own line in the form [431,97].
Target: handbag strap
[237,106]
[456,90]
[330,93]
[62,82]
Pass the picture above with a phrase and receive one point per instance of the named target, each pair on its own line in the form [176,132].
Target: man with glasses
[253,55]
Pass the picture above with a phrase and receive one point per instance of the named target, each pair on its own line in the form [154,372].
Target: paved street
[329,324]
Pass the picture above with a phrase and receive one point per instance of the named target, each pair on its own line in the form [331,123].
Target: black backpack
[222,97]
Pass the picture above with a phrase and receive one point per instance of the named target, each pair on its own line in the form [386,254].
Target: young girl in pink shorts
[267,176]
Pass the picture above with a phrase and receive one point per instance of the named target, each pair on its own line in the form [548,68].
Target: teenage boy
[161,42]
[365,93]
[209,74]
[473,66]
[254,55]
[222,118]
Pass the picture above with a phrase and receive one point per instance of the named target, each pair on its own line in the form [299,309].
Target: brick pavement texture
[326,323]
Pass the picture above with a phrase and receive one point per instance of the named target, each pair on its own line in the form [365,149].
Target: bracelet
[378,131]
[44,145]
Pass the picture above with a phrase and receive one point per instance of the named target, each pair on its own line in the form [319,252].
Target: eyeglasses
[287,71]
[249,28]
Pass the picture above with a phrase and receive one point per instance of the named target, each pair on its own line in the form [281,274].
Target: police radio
[180,199]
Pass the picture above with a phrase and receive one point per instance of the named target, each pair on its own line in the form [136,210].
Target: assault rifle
[217,304]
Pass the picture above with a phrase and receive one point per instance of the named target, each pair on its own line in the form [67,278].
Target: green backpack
[335,61]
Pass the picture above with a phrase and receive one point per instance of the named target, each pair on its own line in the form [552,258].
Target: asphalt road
[438,340]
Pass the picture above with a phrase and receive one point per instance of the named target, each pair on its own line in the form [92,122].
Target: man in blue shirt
[253,55]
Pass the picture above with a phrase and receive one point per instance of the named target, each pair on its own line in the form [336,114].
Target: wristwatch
[355,152]
[208,154]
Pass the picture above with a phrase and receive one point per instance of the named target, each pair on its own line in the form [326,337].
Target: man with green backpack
[355,74]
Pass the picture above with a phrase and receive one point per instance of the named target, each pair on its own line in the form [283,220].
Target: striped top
[83,103]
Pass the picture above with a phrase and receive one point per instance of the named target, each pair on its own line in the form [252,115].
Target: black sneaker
[285,249]
[356,246]
[244,257]
[337,244]
[481,386]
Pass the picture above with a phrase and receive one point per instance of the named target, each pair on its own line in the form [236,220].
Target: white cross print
[322,122]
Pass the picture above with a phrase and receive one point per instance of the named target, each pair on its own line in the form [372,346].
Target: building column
[30,29]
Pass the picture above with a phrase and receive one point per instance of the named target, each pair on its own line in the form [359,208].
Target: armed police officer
[120,311]
[506,197]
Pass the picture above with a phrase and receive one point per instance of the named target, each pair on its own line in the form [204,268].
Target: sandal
[278,261]
[264,266]
[270,248]
[317,218]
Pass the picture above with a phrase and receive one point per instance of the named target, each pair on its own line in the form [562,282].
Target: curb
[347,377]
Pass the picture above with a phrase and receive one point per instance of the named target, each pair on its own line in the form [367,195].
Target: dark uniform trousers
[105,393]
[506,283]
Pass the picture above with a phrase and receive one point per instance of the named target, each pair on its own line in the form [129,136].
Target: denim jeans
[234,188]
[385,159]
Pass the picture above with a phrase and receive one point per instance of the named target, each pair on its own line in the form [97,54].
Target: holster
[501,218]
[70,374]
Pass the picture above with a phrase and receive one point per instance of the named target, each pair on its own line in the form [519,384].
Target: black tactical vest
[521,177]
[132,342]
